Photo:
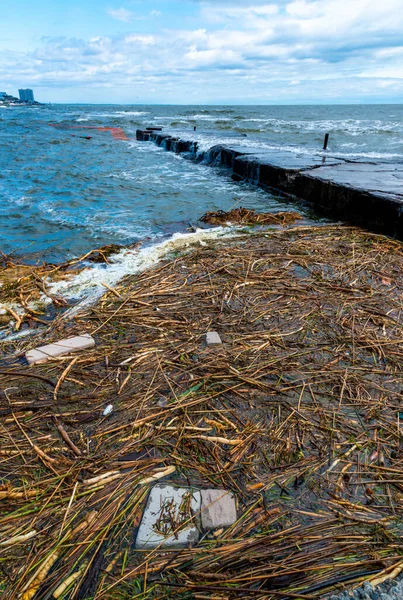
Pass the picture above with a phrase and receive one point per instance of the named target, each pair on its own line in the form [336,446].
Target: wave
[205,143]
[346,126]
[95,223]
[23,201]
[87,286]
[128,113]
[202,117]
[116,114]
[370,155]
[275,125]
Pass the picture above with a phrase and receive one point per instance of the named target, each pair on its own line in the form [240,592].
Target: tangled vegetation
[297,412]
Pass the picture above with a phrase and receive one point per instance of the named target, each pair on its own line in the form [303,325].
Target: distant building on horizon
[26,95]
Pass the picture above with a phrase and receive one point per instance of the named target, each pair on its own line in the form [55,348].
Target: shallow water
[62,194]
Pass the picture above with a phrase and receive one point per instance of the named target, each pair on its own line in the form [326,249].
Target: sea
[62,194]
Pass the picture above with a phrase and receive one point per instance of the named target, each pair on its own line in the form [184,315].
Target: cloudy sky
[203,51]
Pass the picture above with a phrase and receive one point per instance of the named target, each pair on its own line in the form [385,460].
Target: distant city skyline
[26,95]
[204,51]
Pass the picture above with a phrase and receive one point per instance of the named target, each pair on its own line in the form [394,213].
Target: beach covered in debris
[263,367]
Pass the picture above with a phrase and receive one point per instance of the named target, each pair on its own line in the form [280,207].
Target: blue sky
[203,51]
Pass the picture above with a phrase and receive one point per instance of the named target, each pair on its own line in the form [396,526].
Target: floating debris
[218,509]
[170,518]
[247,216]
[213,339]
[60,348]
[108,410]
[299,419]
[26,298]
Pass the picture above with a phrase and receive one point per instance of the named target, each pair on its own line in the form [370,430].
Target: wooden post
[325,143]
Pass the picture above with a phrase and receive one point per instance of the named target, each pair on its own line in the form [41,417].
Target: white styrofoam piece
[218,508]
[156,528]
[213,339]
[67,346]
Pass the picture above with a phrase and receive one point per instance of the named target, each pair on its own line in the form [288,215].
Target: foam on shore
[87,286]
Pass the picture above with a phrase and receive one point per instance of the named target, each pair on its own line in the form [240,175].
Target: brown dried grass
[308,382]
[24,287]
[248,216]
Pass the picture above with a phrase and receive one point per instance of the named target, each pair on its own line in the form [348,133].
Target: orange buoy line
[116,132]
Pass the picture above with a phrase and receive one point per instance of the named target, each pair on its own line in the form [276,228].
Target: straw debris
[298,413]
[24,295]
[248,216]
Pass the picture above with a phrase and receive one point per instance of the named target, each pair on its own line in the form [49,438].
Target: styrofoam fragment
[67,346]
[213,339]
[164,503]
[218,508]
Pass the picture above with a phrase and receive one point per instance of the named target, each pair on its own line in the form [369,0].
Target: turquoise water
[62,194]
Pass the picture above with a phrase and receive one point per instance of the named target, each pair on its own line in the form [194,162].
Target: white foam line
[87,285]
[5,336]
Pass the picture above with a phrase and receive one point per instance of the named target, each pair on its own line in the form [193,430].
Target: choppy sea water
[62,194]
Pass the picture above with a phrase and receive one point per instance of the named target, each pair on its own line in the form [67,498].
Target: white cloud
[251,16]
[301,8]
[203,58]
[396,52]
[259,50]
[121,14]
[147,40]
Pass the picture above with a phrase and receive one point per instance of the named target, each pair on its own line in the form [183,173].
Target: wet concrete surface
[366,193]
[383,178]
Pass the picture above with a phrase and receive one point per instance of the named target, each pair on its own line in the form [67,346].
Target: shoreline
[59,290]
[74,284]
[303,394]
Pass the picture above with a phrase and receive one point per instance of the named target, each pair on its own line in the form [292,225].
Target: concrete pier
[369,193]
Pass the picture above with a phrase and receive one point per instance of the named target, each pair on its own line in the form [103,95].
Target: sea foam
[87,286]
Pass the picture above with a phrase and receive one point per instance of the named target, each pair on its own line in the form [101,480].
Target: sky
[203,51]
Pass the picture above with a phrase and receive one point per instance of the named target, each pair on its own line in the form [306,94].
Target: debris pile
[248,216]
[297,413]
[25,298]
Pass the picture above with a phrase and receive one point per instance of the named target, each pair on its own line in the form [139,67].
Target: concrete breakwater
[366,193]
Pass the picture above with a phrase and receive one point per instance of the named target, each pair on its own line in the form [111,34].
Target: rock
[67,346]
[167,508]
[213,339]
[218,509]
